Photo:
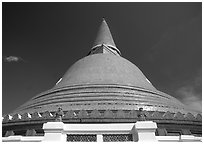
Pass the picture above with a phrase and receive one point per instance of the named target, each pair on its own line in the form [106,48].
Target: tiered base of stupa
[168,123]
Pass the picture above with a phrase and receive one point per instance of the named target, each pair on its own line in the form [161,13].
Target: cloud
[12,59]
[178,53]
[191,94]
[191,98]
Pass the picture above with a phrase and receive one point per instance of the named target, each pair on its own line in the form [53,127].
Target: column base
[146,130]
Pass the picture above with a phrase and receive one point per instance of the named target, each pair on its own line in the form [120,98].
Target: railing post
[146,131]
[99,138]
[54,131]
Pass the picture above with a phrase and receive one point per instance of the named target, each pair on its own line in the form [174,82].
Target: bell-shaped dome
[104,69]
[104,66]
[103,80]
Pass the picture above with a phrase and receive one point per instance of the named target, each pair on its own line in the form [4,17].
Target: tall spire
[104,41]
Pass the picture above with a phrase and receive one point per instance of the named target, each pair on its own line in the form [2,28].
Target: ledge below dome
[101,97]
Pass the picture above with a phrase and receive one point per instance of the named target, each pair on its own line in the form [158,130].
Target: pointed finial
[104,37]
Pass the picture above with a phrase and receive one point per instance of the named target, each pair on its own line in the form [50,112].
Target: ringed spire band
[104,40]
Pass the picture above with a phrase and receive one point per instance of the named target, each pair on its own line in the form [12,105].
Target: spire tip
[104,37]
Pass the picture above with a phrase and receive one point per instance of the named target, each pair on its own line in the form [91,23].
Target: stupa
[103,87]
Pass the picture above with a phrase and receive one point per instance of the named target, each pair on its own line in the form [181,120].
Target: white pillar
[99,138]
[54,131]
[146,131]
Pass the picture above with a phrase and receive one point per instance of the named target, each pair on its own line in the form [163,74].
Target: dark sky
[41,41]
